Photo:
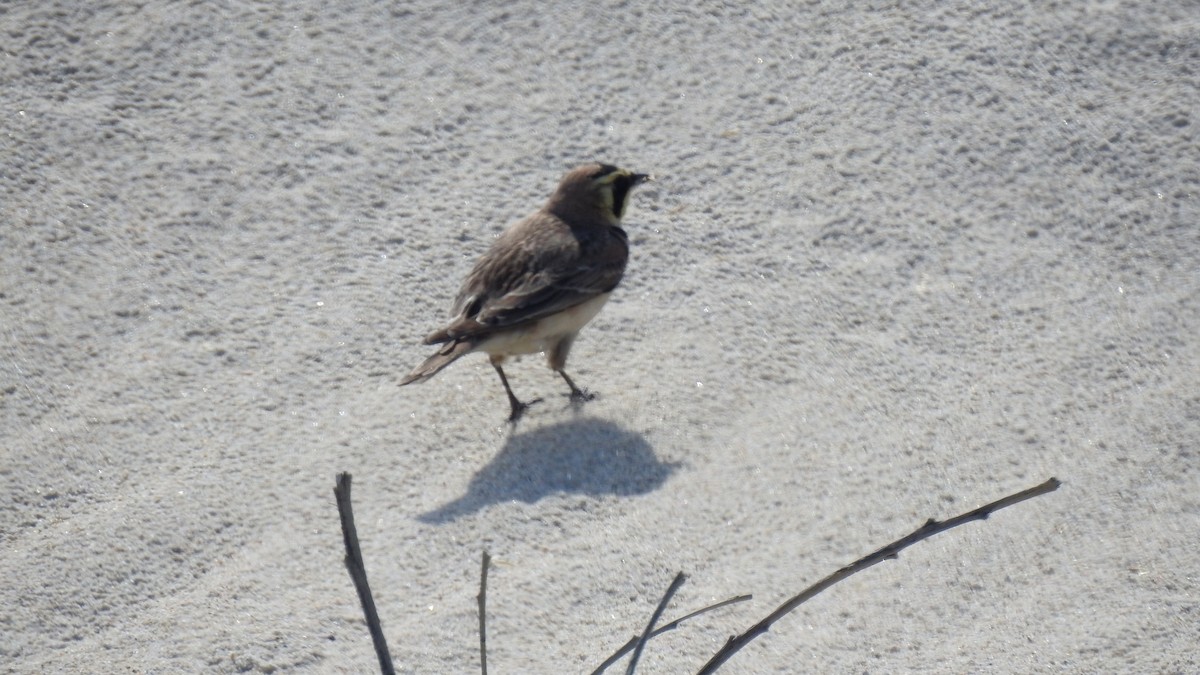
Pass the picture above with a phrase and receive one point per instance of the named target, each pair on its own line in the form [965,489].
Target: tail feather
[448,354]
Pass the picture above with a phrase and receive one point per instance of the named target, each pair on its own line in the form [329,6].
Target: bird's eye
[474,305]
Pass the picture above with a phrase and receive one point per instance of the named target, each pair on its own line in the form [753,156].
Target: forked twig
[358,572]
[892,550]
[662,606]
[633,641]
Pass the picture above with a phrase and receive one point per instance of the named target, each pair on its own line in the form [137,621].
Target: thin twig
[662,606]
[482,599]
[358,573]
[930,528]
[633,641]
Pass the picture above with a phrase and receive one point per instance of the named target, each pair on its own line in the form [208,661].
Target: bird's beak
[639,178]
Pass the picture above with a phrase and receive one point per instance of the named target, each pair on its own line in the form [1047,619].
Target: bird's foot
[581,396]
[519,408]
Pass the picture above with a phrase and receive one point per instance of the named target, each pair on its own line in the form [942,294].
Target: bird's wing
[506,294]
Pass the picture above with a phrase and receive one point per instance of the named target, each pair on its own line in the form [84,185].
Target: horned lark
[542,280]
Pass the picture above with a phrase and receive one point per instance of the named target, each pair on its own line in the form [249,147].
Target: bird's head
[595,190]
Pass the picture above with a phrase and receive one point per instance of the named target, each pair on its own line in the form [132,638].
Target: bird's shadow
[580,456]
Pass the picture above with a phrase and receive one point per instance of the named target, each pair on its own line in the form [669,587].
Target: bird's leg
[557,359]
[518,408]
[577,395]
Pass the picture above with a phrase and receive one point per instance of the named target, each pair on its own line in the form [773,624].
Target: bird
[544,278]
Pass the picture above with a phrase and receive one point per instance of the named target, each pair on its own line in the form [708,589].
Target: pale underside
[544,334]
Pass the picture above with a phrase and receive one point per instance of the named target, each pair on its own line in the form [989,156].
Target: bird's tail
[448,354]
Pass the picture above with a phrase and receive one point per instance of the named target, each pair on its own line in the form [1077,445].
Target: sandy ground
[899,262]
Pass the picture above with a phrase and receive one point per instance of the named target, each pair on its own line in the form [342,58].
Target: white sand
[898,263]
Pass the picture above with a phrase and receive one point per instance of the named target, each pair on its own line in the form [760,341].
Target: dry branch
[662,606]
[892,550]
[358,573]
[482,599]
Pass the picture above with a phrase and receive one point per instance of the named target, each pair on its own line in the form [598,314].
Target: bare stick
[892,550]
[358,573]
[633,641]
[662,605]
[482,599]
